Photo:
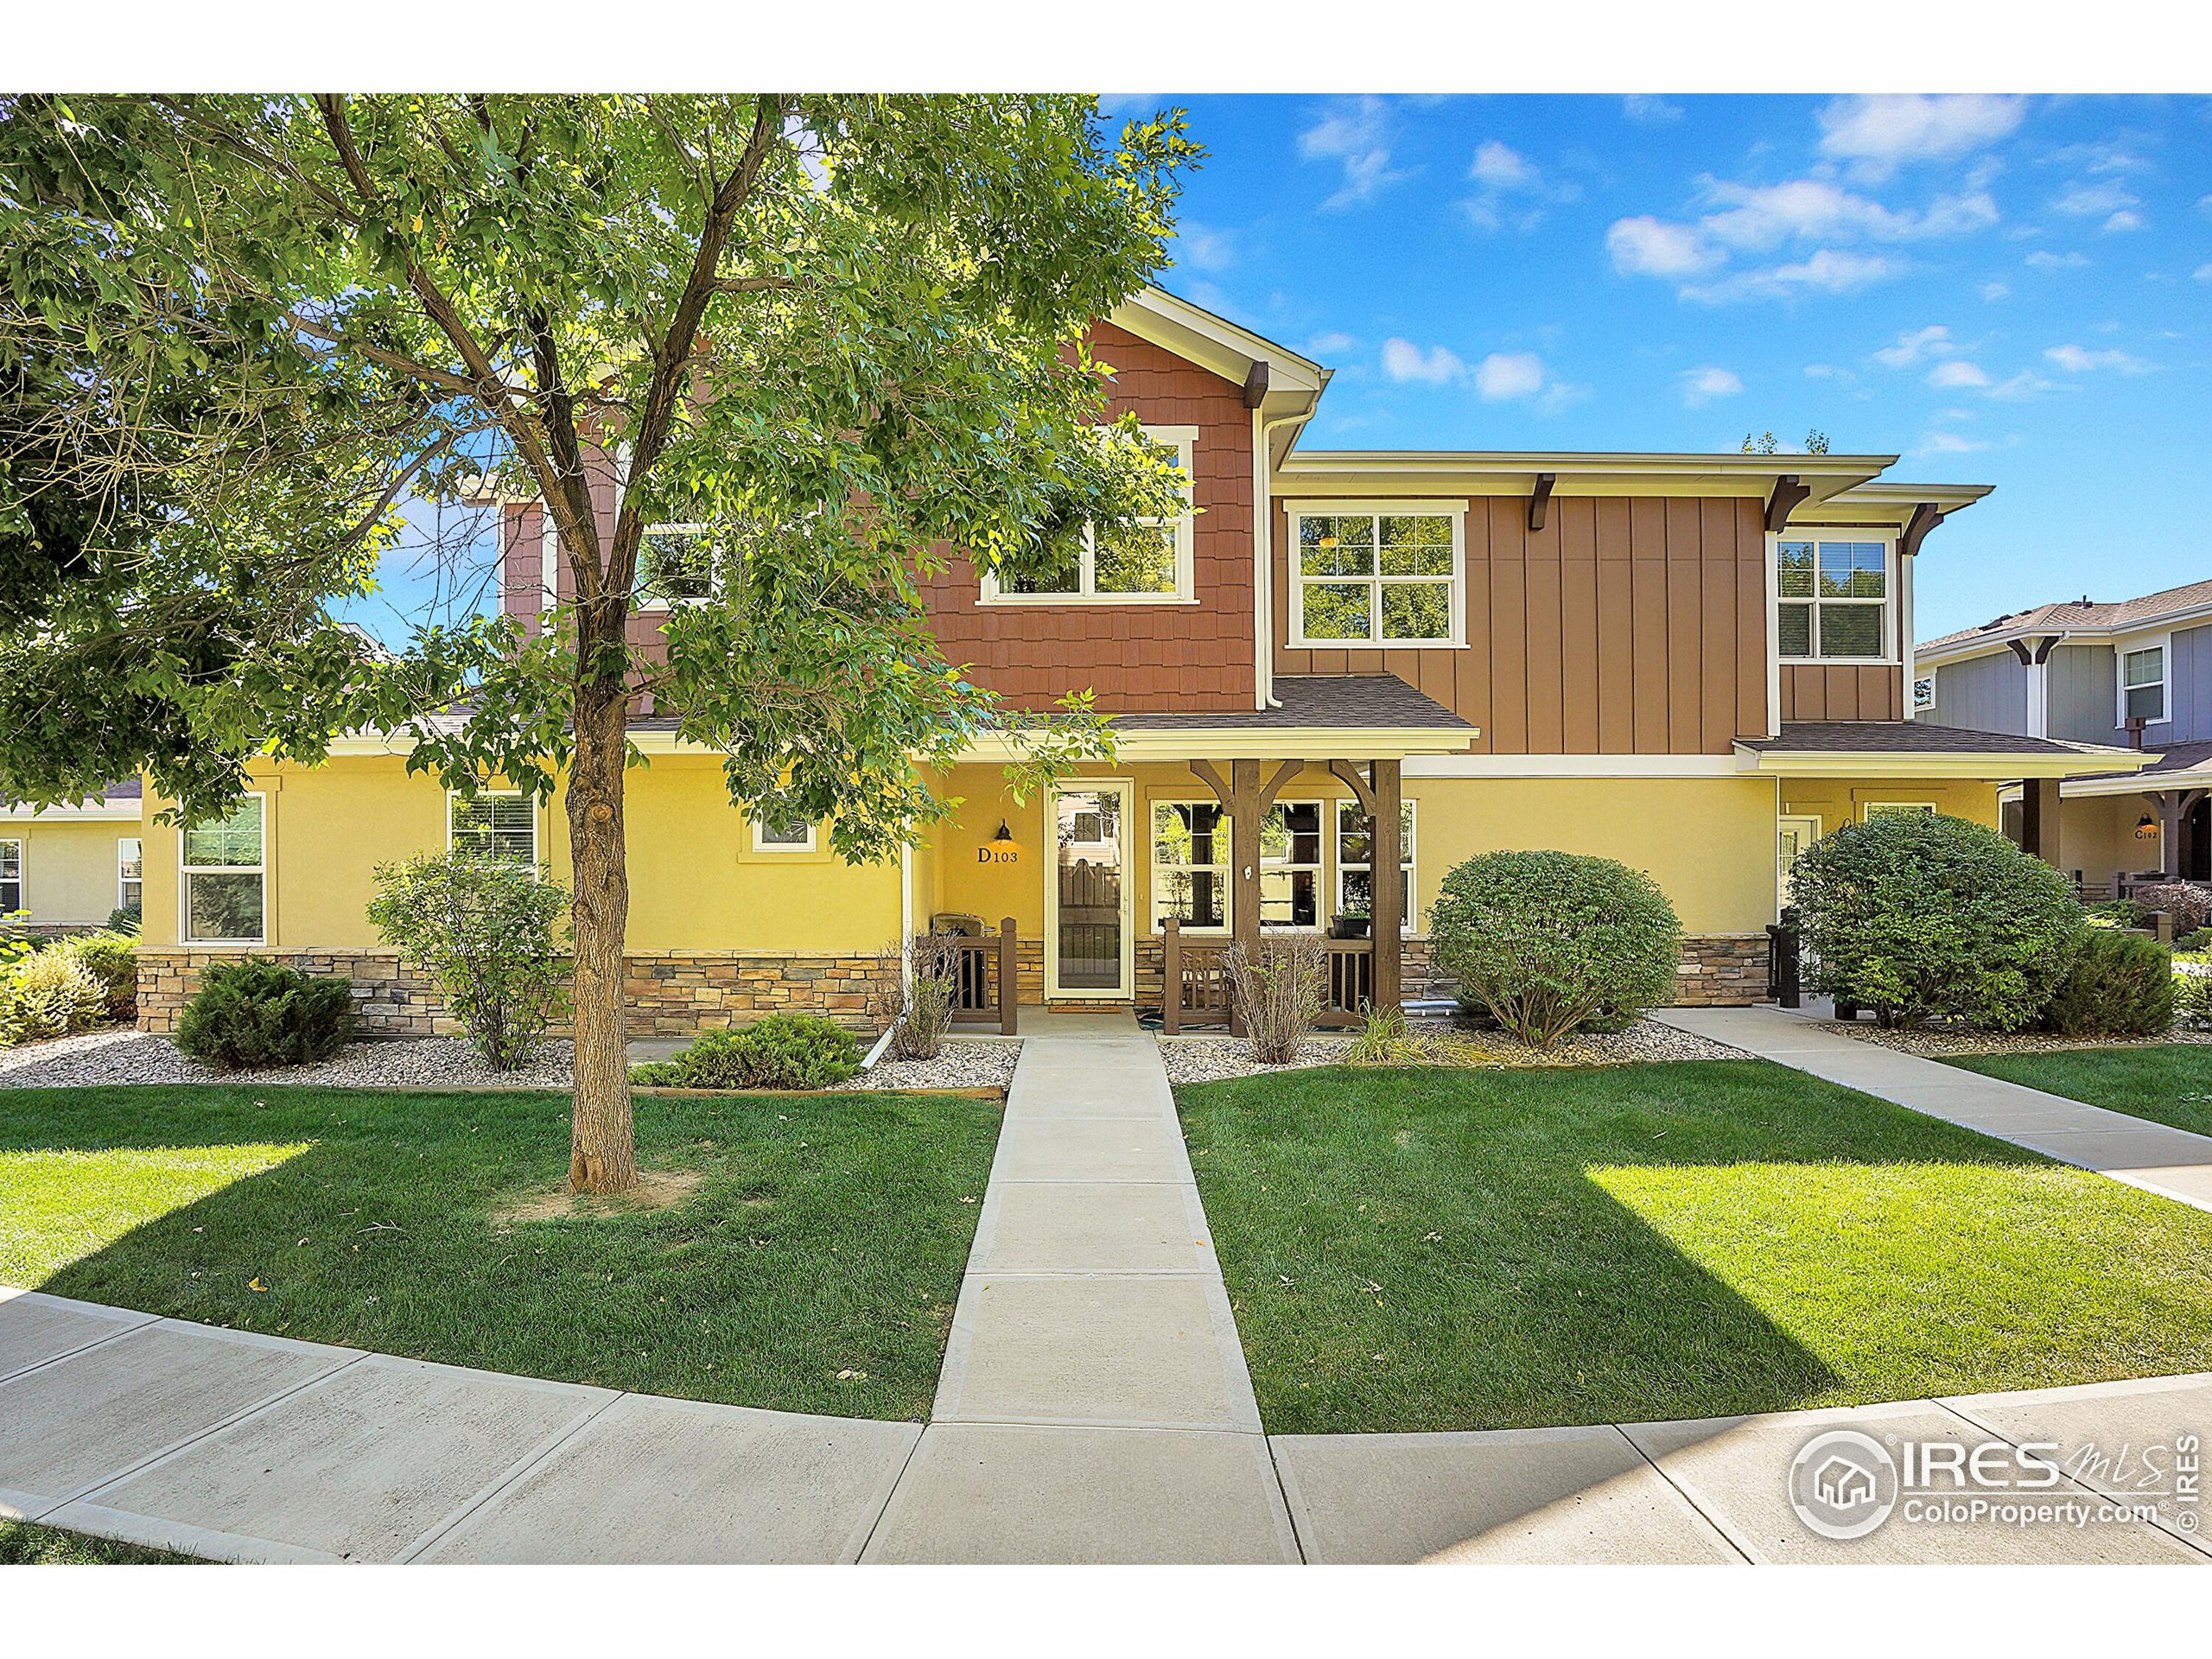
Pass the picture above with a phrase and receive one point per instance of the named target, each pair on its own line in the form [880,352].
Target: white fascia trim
[1876,764]
[130,814]
[1572,765]
[2197,777]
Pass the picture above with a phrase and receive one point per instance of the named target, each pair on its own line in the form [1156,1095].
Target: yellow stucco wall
[2096,836]
[69,867]
[1836,801]
[696,881]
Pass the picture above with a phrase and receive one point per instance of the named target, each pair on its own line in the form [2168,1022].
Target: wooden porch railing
[986,982]
[1194,982]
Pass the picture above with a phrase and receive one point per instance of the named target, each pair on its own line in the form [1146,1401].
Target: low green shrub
[48,994]
[112,960]
[1549,943]
[2116,912]
[1911,915]
[2193,998]
[656,1074]
[2200,939]
[257,1012]
[784,1050]
[126,918]
[2120,985]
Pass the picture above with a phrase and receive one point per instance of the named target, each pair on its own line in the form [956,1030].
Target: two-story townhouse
[1691,663]
[68,867]
[2136,673]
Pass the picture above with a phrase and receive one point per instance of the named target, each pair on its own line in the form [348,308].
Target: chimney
[2135,725]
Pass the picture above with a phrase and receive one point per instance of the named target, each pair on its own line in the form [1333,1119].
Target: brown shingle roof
[2075,613]
[1308,700]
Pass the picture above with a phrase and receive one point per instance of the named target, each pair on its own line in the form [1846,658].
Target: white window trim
[1868,810]
[663,607]
[185,872]
[1184,440]
[453,797]
[122,898]
[23,876]
[810,844]
[2164,645]
[1224,866]
[1892,577]
[1320,867]
[1454,511]
[1410,864]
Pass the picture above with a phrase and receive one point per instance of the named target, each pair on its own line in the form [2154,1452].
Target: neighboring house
[72,867]
[2136,673]
[1691,663]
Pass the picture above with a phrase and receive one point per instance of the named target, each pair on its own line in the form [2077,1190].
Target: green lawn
[2170,1083]
[23,1544]
[814,1268]
[1443,1249]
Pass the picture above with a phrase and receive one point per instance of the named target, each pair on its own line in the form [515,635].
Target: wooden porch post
[2039,820]
[1171,975]
[1382,880]
[1009,979]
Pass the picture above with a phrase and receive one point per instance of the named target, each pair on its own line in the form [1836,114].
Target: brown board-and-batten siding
[1625,626]
[1847,691]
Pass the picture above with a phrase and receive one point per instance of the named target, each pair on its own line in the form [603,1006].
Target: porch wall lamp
[2146,828]
[1005,837]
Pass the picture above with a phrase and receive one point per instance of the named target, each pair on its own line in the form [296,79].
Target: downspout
[1263,561]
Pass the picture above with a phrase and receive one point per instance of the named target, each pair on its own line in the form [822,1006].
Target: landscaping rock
[1939,1042]
[1210,1059]
[958,1065]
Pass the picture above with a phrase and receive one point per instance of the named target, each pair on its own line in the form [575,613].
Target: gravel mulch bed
[128,1057]
[1209,1060]
[1935,1043]
[958,1065]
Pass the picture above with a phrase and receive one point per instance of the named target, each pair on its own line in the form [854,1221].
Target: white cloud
[1957,372]
[1500,167]
[2044,259]
[1356,134]
[1403,360]
[1649,110]
[1914,344]
[1828,271]
[1333,343]
[2204,273]
[2076,359]
[2102,158]
[1704,385]
[1201,247]
[1993,292]
[2026,384]
[2125,220]
[1511,188]
[1825,372]
[1948,443]
[1760,217]
[1879,134]
[1505,375]
[2089,200]
[1645,247]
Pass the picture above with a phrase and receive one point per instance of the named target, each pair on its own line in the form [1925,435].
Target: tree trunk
[602,1156]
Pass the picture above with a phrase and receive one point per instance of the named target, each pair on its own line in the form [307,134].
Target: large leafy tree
[841,333]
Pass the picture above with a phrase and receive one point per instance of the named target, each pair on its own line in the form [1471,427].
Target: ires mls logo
[1843,1484]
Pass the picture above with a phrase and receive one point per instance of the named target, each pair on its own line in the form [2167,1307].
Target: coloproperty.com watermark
[1844,1484]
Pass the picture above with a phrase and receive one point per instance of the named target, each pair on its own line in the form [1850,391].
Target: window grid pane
[1405,562]
[12,876]
[1851,630]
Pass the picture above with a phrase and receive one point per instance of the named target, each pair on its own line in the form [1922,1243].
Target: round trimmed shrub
[48,994]
[257,1012]
[1547,943]
[784,1050]
[112,960]
[1913,915]
[2120,985]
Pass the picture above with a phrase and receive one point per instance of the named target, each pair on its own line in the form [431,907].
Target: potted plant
[1349,924]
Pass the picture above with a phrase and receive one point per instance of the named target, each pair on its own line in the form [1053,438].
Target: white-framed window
[780,830]
[1872,809]
[129,872]
[223,879]
[1376,574]
[1152,563]
[500,823]
[2142,670]
[1191,873]
[1923,692]
[676,566]
[1356,865]
[12,876]
[1833,597]
[1290,865]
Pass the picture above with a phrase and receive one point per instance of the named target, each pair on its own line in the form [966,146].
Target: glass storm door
[1089,948]
[1795,835]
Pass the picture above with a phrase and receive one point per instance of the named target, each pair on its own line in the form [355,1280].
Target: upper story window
[1376,574]
[676,566]
[1152,562]
[499,823]
[2142,683]
[1833,600]
[1923,692]
[225,877]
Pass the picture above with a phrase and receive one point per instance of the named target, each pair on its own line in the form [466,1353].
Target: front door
[1796,834]
[1089,952]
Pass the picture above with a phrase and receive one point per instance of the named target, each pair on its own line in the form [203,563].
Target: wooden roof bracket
[2041,652]
[1255,383]
[1789,493]
[1539,499]
[1360,787]
[1925,518]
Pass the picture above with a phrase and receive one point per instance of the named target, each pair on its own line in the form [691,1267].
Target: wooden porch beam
[1348,774]
[1284,773]
[1210,775]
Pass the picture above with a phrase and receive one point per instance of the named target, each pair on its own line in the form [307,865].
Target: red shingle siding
[1135,656]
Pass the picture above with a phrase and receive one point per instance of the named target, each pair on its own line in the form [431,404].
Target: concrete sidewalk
[2170,1162]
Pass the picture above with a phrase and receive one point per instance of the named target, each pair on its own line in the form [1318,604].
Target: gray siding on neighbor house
[1983,694]
[2083,694]
[2188,688]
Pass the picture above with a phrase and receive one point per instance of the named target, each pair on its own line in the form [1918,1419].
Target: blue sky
[2005,291]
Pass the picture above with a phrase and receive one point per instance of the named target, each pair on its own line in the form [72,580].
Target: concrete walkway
[1094,1405]
[2170,1162]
